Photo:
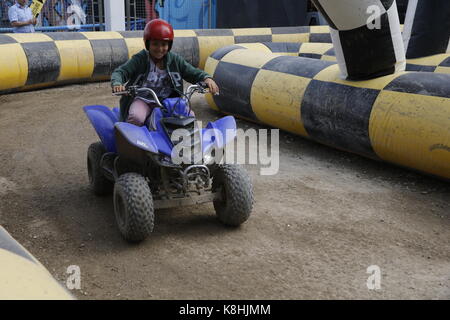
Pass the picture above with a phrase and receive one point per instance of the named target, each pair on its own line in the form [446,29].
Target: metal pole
[100,14]
[127,12]
[135,14]
[115,15]
[202,20]
[93,15]
[209,14]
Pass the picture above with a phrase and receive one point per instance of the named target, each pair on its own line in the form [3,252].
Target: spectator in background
[21,18]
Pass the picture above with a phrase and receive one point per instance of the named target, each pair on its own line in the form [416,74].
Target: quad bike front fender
[219,133]
[103,119]
[141,137]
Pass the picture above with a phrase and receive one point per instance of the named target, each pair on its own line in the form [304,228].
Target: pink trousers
[139,111]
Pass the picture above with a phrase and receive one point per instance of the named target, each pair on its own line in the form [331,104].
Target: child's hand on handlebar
[212,86]
[119,88]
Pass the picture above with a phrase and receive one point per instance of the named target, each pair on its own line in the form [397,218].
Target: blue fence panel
[188,14]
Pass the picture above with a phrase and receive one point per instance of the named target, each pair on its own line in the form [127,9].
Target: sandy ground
[316,227]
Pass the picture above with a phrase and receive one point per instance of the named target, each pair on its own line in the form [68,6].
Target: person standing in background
[21,18]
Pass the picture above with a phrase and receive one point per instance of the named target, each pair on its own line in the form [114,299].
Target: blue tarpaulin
[188,14]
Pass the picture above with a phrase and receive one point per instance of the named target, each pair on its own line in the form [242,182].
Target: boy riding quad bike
[143,168]
[138,158]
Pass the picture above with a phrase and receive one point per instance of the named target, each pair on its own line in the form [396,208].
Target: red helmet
[158,29]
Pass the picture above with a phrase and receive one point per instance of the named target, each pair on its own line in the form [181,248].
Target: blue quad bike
[137,164]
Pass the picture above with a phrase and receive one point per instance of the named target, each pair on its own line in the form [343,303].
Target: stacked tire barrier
[29,61]
[402,118]
[366,36]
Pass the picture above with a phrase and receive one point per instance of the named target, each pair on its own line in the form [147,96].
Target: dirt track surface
[316,227]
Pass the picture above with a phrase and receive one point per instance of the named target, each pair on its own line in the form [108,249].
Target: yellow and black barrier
[29,61]
[402,118]
[321,51]
[22,277]
[437,63]
[324,51]
[197,45]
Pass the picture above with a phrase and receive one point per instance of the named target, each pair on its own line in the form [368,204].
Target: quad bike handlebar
[134,91]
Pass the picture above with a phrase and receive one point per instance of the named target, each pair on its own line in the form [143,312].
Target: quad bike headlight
[213,155]
[208,159]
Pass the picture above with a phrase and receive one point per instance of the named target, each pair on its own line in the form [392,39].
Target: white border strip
[396,35]
[339,52]
[409,22]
